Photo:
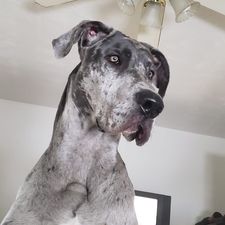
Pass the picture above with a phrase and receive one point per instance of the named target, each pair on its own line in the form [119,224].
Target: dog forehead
[120,41]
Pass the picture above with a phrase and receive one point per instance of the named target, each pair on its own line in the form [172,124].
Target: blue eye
[114,59]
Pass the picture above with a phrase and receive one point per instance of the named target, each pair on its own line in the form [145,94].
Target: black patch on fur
[163,73]
[51,169]
[113,125]
[62,102]
[74,213]
[29,175]
[80,98]
[99,127]
[8,222]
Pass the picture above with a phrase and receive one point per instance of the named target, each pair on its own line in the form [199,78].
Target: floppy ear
[86,34]
[163,71]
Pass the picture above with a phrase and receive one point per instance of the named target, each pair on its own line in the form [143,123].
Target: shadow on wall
[215,178]
[216,167]
[212,17]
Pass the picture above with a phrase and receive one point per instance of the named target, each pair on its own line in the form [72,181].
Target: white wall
[187,166]
[25,132]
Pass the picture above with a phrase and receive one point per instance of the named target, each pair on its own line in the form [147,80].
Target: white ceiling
[195,50]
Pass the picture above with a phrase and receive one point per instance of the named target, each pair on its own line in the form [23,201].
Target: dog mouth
[139,131]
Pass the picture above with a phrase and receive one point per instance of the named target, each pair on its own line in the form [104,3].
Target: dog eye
[151,74]
[114,59]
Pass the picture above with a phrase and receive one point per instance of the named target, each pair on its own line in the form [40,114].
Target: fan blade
[210,16]
[48,3]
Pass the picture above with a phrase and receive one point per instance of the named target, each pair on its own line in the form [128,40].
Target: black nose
[150,103]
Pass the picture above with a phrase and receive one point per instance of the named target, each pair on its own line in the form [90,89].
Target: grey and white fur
[117,88]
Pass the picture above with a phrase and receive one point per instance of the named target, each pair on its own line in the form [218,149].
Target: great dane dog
[117,88]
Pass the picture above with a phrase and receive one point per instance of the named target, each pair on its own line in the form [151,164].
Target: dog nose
[150,103]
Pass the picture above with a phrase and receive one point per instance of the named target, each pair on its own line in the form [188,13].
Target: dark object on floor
[216,219]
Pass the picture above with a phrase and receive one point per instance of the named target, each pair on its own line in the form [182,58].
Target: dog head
[122,81]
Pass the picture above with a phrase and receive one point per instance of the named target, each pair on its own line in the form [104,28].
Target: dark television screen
[152,209]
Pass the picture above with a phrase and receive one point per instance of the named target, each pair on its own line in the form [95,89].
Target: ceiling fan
[182,8]
[49,3]
[152,14]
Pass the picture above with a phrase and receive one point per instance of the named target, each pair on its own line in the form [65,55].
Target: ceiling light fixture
[128,6]
[152,21]
[184,9]
[153,13]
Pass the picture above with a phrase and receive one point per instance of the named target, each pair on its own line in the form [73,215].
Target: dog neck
[77,137]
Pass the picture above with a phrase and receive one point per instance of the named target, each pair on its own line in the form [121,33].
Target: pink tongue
[140,132]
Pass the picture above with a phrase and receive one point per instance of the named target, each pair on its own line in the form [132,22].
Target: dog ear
[86,34]
[163,71]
